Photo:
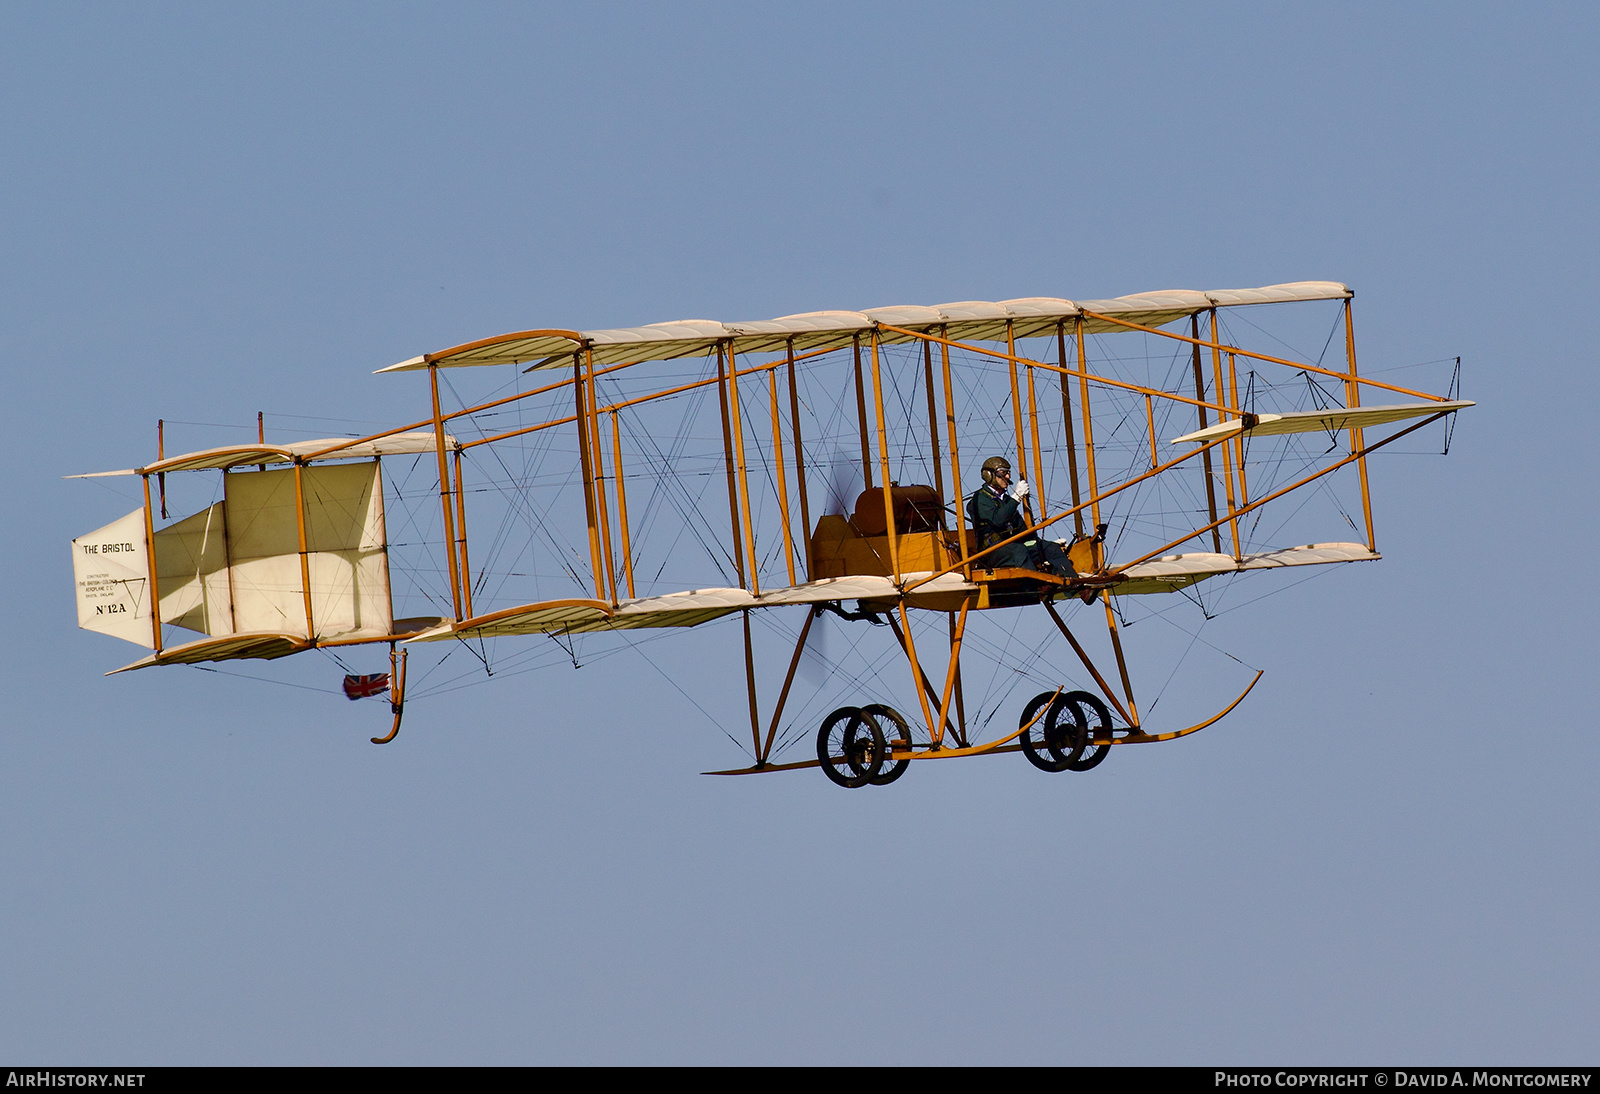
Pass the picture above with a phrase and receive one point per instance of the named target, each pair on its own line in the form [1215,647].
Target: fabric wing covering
[1315,421]
[329,448]
[966,320]
[687,609]
[1170,573]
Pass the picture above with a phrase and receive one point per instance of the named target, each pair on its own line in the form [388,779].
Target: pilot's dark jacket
[996,517]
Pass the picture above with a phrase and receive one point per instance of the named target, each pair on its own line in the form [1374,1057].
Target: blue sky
[214,210]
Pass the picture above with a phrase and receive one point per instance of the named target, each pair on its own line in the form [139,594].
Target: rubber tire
[1035,742]
[839,744]
[1094,711]
[1066,731]
[901,730]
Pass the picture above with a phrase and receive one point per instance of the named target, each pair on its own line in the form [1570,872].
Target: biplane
[817,466]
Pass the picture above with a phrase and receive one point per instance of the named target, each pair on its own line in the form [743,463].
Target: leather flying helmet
[993,466]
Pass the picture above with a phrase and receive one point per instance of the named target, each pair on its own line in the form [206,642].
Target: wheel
[865,748]
[1097,723]
[1066,731]
[1035,741]
[899,732]
[851,747]
[833,746]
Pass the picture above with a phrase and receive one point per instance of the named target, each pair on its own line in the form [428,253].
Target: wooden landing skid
[1004,744]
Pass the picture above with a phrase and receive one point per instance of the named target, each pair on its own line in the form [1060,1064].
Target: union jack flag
[364,687]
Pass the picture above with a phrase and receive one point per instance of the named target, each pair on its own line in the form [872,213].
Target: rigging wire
[265,680]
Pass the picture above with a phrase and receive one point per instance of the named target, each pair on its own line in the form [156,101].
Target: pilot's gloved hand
[1020,491]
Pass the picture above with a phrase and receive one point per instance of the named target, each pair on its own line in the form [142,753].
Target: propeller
[844,483]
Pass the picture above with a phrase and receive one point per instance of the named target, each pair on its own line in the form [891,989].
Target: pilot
[995,511]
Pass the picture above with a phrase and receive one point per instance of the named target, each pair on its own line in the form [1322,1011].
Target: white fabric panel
[1315,421]
[111,569]
[863,587]
[975,320]
[552,616]
[350,593]
[400,444]
[345,539]
[685,609]
[1281,294]
[678,616]
[1037,316]
[212,459]
[810,330]
[1310,555]
[266,594]
[192,573]
[230,647]
[832,588]
[689,600]
[914,316]
[968,320]
[906,315]
[1173,572]
[349,561]
[261,520]
[1148,309]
